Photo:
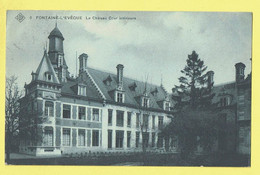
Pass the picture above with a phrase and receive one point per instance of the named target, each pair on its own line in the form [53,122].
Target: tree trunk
[7,147]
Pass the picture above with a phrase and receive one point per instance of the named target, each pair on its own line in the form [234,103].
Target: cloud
[156,43]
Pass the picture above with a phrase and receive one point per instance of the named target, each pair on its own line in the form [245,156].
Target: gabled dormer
[155,91]
[45,71]
[108,81]
[43,79]
[132,86]
[165,103]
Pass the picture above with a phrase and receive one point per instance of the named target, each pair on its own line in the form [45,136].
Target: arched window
[49,109]
[48,136]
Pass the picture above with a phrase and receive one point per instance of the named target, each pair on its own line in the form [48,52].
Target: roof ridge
[130,78]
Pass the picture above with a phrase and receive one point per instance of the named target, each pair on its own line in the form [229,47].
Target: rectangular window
[137,120]
[128,139]
[153,139]
[66,137]
[119,139]
[66,111]
[145,137]
[48,110]
[95,137]
[160,122]
[119,97]
[120,118]
[174,142]
[82,113]
[145,104]
[137,138]
[129,119]
[160,141]
[48,136]
[95,115]
[110,115]
[82,90]
[109,139]
[167,106]
[145,120]
[81,137]
[153,121]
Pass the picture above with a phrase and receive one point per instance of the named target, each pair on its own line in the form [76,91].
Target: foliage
[11,113]
[194,89]
[193,128]
[194,123]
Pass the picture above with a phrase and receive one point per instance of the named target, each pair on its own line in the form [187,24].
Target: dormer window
[145,102]
[82,90]
[154,92]
[120,97]
[48,76]
[224,101]
[108,81]
[132,86]
[167,106]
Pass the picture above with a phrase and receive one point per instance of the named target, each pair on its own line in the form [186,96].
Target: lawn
[137,159]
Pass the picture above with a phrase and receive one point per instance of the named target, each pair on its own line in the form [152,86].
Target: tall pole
[76,66]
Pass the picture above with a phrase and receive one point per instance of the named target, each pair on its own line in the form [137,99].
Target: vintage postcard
[128,88]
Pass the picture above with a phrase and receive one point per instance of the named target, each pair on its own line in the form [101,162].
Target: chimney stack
[83,58]
[240,72]
[33,76]
[120,68]
[210,80]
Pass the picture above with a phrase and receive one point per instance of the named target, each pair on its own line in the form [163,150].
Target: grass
[150,159]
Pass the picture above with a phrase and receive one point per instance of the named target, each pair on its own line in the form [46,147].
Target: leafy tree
[12,110]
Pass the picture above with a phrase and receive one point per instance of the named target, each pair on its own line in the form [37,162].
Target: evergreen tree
[194,124]
[195,85]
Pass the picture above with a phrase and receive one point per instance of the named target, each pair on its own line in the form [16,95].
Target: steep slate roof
[46,66]
[56,32]
[130,96]
[67,88]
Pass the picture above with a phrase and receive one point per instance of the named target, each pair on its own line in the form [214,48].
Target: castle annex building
[94,111]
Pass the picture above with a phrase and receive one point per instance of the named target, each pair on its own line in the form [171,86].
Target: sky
[148,44]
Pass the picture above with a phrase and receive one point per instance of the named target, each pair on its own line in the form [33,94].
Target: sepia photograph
[128,88]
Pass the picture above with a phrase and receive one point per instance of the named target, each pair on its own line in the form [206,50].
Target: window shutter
[74,137]
[58,134]
[100,138]
[88,138]
[100,113]
[89,113]
[58,109]
[74,112]
[40,106]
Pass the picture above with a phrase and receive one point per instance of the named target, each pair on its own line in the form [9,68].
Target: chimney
[83,62]
[210,80]
[33,76]
[120,68]
[240,75]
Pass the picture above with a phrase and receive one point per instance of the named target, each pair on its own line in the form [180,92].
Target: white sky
[155,44]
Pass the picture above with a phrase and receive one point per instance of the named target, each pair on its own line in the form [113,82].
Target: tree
[194,123]
[194,89]
[12,110]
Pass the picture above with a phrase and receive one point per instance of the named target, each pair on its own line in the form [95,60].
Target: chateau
[94,111]
[98,111]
